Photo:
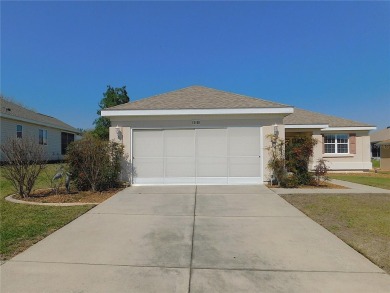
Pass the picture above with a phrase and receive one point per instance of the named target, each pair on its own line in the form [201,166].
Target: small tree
[25,161]
[94,164]
[112,97]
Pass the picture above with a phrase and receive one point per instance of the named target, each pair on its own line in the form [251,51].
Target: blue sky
[329,57]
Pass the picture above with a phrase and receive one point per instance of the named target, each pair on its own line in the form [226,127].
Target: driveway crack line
[192,242]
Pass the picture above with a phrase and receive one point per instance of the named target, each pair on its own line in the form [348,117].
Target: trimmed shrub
[94,164]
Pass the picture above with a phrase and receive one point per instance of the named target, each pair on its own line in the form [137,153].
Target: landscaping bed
[49,196]
[360,220]
[324,185]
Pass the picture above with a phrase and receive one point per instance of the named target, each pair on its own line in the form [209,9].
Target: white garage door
[197,156]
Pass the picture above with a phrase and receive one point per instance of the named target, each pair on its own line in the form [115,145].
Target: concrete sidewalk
[192,239]
[350,188]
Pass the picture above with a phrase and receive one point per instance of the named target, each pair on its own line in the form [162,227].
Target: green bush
[94,164]
[298,152]
[289,161]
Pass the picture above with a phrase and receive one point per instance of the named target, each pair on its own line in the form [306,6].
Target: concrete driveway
[192,239]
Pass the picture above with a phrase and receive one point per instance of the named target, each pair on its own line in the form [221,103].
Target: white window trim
[336,153]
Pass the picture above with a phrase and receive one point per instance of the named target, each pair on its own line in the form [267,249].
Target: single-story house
[199,135]
[380,147]
[18,121]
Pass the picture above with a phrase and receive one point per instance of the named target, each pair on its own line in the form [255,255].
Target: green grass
[381,180]
[360,220]
[376,163]
[23,225]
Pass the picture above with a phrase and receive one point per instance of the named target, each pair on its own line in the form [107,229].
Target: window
[43,136]
[19,131]
[336,143]
[66,139]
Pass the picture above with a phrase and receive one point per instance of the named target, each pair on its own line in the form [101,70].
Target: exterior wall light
[276,130]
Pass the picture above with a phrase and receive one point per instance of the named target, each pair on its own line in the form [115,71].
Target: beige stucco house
[380,144]
[199,135]
[17,121]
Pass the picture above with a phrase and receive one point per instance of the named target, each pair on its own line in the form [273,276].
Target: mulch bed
[325,185]
[49,196]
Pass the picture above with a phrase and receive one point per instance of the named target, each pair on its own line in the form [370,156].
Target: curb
[69,204]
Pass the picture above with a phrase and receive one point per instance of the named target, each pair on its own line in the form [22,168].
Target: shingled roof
[12,110]
[304,117]
[197,97]
[380,135]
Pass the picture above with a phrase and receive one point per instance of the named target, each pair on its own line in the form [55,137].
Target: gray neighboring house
[17,121]
[200,135]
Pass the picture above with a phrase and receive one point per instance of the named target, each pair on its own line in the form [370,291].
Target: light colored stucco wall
[359,161]
[53,147]
[122,135]
[385,157]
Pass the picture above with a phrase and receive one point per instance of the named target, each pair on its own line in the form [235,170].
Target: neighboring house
[17,122]
[199,135]
[380,147]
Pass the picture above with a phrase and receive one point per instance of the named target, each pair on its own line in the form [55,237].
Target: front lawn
[360,220]
[23,225]
[376,163]
[380,179]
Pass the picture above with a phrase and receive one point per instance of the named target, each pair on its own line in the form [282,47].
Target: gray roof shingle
[197,97]
[18,111]
[304,117]
[380,135]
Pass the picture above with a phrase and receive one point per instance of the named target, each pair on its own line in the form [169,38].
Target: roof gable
[197,97]
[14,111]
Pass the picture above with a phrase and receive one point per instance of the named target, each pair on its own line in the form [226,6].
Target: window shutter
[352,143]
[323,144]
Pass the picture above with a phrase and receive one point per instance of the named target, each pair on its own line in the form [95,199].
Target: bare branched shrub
[321,172]
[25,159]
[277,161]
[94,164]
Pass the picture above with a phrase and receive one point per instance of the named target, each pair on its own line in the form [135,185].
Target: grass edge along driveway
[360,220]
[23,225]
[380,180]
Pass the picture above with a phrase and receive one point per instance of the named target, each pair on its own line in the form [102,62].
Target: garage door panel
[146,143]
[180,167]
[148,170]
[179,143]
[211,142]
[244,167]
[211,167]
[244,141]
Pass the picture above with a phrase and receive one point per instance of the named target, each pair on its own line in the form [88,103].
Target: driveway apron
[192,239]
